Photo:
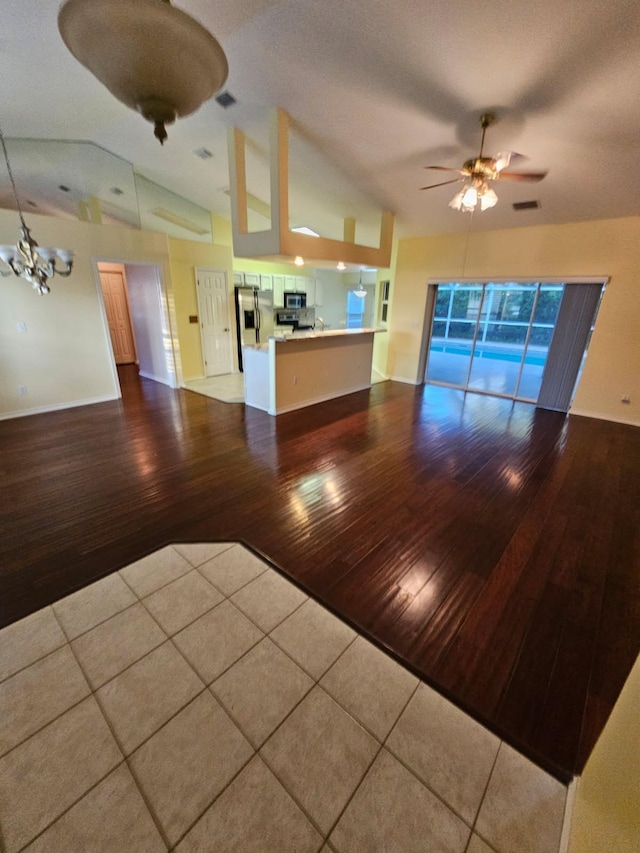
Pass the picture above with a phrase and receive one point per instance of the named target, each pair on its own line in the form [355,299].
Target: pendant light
[360,291]
[153,57]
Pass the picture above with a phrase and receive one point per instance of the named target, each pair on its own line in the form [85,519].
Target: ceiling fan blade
[522,176]
[503,159]
[443,184]
[446,169]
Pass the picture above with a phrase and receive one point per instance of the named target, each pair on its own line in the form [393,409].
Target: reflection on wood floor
[491,546]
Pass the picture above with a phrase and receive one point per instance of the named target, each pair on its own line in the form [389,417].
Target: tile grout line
[73,804]
[217,796]
[206,688]
[375,757]
[439,796]
[275,773]
[119,745]
[42,656]
[484,794]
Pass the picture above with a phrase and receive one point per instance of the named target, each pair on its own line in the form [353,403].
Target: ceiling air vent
[225,99]
[526,205]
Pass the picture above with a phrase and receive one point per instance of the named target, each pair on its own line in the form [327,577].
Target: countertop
[329,333]
[285,337]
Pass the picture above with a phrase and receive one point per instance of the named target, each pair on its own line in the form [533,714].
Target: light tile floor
[198,701]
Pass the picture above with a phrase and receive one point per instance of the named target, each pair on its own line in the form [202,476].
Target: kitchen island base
[290,372]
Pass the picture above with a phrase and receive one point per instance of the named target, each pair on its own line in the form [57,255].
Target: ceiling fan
[478,171]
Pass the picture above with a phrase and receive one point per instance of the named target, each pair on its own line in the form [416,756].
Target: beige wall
[64,359]
[602,248]
[606,812]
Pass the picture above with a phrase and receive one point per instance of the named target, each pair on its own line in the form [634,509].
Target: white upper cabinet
[238,278]
[252,279]
[266,282]
[278,291]
[318,292]
[301,284]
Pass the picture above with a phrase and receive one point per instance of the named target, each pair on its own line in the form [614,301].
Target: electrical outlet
[22,390]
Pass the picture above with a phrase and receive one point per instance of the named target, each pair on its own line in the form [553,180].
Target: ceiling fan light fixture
[154,58]
[488,199]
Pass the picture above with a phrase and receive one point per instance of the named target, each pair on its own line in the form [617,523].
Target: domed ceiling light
[153,57]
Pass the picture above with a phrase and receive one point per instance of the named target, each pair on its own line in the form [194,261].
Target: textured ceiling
[376,90]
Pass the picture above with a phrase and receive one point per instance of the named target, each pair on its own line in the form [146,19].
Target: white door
[213,307]
[117,308]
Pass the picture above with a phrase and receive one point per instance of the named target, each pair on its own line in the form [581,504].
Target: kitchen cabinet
[301,284]
[290,283]
[278,290]
[318,292]
[266,282]
[238,279]
[252,279]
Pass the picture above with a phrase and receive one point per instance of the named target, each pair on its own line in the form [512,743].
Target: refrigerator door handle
[257,310]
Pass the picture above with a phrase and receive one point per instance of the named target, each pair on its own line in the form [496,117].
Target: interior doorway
[521,340]
[135,307]
[116,303]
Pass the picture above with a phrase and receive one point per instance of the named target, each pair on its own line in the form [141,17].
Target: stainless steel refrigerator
[254,317]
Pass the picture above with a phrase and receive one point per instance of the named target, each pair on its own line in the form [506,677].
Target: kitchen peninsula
[290,371]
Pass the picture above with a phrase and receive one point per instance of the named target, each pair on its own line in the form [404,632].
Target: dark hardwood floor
[494,548]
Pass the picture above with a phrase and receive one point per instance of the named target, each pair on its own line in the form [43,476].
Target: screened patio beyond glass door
[493,337]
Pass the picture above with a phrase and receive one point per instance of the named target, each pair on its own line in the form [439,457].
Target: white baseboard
[159,379]
[568,812]
[281,410]
[583,413]
[57,407]
[406,380]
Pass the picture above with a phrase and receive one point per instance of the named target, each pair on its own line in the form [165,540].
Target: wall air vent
[203,153]
[526,205]
[225,99]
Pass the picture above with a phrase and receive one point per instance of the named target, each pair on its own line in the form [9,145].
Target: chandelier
[154,58]
[26,259]
[469,196]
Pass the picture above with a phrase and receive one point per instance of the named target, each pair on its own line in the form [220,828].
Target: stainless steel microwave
[295,300]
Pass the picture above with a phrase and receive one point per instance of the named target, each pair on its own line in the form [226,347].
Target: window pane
[506,313]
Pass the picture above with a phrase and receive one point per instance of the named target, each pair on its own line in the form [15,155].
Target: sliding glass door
[493,337]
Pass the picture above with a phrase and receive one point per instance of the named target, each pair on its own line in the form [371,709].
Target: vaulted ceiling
[376,91]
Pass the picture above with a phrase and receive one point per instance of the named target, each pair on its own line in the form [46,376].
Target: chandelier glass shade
[469,196]
[153,57]
[37,264]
